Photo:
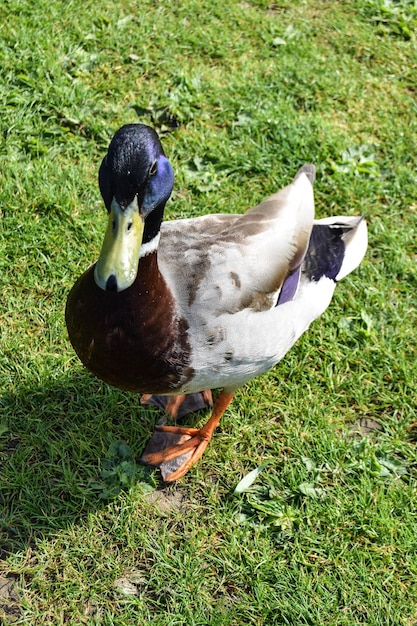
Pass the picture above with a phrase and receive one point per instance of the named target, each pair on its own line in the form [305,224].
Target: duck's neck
[150,247]
[153,223]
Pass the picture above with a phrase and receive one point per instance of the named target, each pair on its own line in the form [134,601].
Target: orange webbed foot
[179,448]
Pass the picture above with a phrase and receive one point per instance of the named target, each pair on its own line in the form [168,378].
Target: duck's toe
[175,449]
[183,446]
[161,440]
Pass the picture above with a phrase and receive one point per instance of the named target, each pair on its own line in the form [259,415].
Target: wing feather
[232,262]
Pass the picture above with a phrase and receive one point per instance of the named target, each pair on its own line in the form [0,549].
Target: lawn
[242,93]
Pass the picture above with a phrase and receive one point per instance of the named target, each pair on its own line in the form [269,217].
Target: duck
[174,309]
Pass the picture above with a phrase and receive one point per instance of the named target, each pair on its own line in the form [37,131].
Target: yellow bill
[117,265]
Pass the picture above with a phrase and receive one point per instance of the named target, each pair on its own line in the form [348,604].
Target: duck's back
[228,263]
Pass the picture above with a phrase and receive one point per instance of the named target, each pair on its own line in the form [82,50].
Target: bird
[175,308]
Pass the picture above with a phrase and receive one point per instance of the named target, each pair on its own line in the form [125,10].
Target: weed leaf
[248,480]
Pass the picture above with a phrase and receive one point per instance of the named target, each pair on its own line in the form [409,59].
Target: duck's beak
[117,265]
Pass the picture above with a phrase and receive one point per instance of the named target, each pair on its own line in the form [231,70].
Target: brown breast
[133,339]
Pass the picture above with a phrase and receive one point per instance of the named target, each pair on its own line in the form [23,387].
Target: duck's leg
[196,444]
[180,405]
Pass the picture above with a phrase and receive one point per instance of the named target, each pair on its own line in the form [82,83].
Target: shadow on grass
[53,439]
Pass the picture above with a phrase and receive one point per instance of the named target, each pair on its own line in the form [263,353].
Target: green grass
[243,93]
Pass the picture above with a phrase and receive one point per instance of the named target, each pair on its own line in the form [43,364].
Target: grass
[243,93]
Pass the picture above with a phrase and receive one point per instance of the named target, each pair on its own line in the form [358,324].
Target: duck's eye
[153,169]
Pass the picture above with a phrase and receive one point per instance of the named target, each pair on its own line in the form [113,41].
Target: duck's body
[215,300]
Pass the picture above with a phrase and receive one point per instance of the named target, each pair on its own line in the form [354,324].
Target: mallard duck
[190,305]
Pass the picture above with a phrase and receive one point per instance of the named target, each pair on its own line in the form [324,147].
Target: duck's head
[136,180]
